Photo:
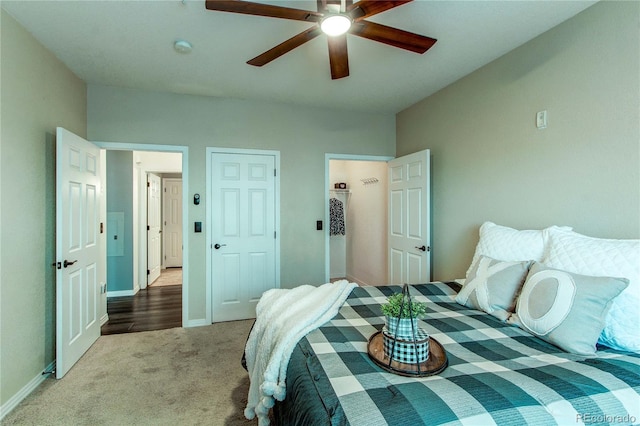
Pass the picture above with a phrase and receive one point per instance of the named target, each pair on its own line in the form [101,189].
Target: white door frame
[327,186]
[209,216]
[184,150]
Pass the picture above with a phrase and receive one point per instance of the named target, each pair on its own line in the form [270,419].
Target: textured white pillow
[508,244]
[585,255]
[493,286]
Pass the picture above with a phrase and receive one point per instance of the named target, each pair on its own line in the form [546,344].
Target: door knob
[423,248]
[68,263]
[217,246]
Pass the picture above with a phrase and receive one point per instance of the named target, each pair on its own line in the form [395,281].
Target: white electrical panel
[115,233]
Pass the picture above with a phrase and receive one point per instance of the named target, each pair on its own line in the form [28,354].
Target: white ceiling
[130,44]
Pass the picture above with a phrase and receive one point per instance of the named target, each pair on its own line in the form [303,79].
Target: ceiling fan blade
[259,9]
[285,46]
[338,58]
[392,36]
[366,8]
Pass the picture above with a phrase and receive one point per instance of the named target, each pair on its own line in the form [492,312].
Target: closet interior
[358,221]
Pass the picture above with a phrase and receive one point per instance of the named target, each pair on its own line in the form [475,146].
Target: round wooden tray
[435,364]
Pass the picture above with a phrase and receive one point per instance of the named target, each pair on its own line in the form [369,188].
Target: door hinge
[148,272]
[101,227]
[274,234]
[148,228]
[148,184]
[274,172]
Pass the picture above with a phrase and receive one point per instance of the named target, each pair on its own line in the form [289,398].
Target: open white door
[78,194]
[409,222]
[243,233]
[154,243]
[172,222]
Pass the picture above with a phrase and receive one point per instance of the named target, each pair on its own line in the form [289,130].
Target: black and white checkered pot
[406,350]
[401,327]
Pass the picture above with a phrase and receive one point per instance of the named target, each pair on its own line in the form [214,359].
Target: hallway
[157,307]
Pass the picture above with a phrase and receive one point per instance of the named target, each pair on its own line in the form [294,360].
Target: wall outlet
[541,119]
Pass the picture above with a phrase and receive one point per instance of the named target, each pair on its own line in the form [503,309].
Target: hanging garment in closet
[336,217]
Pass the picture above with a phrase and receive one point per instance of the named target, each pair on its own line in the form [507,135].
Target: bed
[544,329]
[497,373]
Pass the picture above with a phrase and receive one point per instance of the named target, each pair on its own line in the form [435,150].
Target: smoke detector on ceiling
[182,46]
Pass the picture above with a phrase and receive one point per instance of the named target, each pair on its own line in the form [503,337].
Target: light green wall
[120,199]
[38,93]
[302,135]
[489,162]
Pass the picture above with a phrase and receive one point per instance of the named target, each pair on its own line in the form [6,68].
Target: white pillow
[508,244]
[493,286]
[585,255]
[566,309]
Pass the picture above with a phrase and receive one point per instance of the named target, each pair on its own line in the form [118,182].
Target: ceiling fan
[336,18]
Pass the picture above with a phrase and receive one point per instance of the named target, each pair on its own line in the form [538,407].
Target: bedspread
[497,373]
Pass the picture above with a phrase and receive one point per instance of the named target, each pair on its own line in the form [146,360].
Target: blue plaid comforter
[497,374]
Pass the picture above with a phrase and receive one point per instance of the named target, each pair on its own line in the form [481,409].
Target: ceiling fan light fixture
[335,25]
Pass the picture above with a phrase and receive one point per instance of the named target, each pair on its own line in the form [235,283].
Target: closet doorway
[356,218]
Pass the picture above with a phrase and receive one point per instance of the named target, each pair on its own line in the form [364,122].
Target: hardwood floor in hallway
[155,308]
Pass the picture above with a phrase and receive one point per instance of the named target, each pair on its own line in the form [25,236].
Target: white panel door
[154,243]
[172,222]
[242,232]
[78,248]
[409,219]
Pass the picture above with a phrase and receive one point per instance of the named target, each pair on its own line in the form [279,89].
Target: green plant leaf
[395,303]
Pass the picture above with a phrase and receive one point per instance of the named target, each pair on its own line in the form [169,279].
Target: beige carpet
[167,377]
[168,276]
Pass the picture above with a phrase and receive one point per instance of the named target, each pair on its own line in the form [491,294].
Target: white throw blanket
[283,317]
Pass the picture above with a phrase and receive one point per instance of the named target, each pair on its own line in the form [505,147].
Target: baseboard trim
[353,279]
[16,399]
[120,293]
[196,323]
[104,319]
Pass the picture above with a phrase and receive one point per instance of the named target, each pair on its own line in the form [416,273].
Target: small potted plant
[399,316]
